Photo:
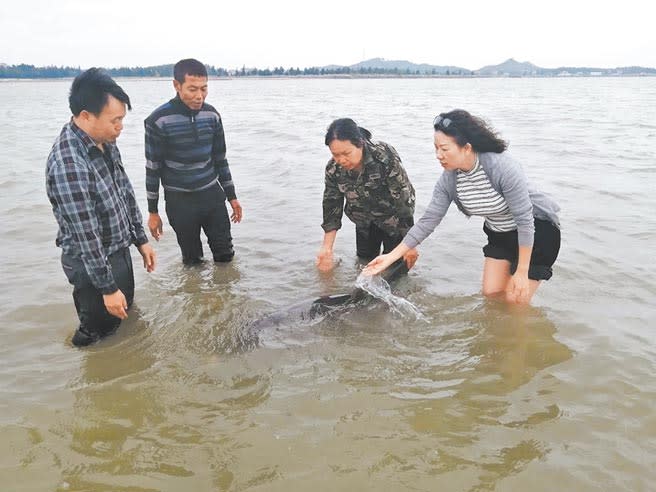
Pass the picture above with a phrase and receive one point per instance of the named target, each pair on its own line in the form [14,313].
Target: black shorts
[546,244]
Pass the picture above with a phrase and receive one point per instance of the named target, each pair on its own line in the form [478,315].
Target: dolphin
[315,309]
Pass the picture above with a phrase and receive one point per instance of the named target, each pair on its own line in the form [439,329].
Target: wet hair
[90,91]
[468,129]
[188,66]
[347,129]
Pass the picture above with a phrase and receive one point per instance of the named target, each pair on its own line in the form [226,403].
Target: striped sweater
[185,151]
[508,179]
[477,197]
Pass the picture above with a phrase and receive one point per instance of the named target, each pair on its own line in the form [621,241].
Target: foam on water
[378,287]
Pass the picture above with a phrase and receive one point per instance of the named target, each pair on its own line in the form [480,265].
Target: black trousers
[94,318]
[188,213]
[369,239]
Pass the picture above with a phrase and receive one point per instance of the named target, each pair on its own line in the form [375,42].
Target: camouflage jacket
[381,193]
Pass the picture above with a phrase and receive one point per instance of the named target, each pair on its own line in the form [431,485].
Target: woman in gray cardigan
[521,223]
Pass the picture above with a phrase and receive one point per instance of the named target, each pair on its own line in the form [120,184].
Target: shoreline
[356,77]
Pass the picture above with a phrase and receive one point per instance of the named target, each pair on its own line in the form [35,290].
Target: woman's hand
[411,258]
[378,264]
[518,289]
[325,260]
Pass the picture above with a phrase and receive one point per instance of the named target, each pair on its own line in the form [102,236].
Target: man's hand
[236,211]
[149,257]
[116,304]
[155,225]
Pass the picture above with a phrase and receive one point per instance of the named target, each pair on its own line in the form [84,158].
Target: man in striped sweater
[186,152]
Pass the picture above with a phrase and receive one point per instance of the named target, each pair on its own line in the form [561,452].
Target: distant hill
[510,67]
[404,66]
[513,68]
[564,71]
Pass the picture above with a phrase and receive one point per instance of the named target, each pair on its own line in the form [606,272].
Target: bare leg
[496,274]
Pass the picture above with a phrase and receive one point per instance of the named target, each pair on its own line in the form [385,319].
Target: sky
[293,33]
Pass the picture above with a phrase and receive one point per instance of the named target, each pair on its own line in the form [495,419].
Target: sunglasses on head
[441,121]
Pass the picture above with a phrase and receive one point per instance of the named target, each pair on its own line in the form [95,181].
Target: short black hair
[347,129]
[90,91]
[188,66]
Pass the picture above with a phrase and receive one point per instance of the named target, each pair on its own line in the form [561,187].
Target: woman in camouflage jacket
[366,180]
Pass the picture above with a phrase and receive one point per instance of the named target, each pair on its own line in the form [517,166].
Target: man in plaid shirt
[95,207]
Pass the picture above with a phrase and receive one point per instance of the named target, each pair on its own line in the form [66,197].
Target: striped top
[478,197]
[185,151]
[508,179]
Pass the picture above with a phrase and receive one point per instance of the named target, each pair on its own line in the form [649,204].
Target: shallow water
[478,397]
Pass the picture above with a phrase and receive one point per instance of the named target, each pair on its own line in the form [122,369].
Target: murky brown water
[478,397]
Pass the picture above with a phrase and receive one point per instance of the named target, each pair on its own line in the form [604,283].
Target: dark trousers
[188,213]
[369,239]
[94,318]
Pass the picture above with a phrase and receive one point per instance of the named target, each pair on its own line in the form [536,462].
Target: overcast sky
[295,33]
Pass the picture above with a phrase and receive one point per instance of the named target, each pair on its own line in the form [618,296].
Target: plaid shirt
[93,202]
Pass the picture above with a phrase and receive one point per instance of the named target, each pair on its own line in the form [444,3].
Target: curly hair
[468,129]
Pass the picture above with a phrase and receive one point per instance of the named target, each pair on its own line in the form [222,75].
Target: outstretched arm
[380,263]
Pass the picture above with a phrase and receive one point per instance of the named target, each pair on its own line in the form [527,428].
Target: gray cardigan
[508,179]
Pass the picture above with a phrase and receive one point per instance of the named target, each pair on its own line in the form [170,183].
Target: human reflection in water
[493,396]
[116,408]
[140,419]
[516,343]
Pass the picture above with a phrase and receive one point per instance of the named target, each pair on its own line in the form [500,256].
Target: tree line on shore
[24,71]
[510,68]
